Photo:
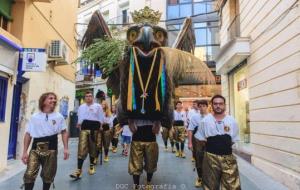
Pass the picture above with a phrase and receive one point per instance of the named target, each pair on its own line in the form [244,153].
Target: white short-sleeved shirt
[209,127]
[126,131]
[41,124]
[195,121]
[109,120]
[93,112]
[191,113]
[181,116]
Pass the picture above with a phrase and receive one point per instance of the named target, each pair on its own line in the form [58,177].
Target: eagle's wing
[96,29]
[185,39]
[184,68]
[101,48]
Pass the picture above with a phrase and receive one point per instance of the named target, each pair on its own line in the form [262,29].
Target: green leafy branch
[106,53]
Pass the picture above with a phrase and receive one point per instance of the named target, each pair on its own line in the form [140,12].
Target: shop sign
[242,84]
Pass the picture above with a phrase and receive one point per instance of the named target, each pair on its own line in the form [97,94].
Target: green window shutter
[5,8]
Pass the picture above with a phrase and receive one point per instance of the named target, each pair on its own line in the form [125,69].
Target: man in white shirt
[44,127]
[194,144]
[90,117]
[194,110]
[179,125]
[220,132]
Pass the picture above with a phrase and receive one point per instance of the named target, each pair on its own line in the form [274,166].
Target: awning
[5,8]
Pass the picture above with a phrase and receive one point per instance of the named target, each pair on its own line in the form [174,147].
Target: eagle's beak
[145,41]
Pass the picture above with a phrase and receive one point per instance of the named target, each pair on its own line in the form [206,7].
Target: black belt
[178,123]
[144,134]
[90,125]
[105,127]
[52,142]
[219,144]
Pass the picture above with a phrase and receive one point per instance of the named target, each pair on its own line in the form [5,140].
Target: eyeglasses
[88,96]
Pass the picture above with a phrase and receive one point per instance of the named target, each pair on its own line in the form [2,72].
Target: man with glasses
[220,131]
[90,117]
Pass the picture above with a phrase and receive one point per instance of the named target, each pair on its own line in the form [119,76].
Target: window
[199,8]
[173,11]
[185,10]
[173,2]
[124,17]
[185,1]
[200,36]
[3,95]
[3,23]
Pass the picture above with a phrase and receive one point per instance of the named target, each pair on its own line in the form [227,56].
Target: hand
[156,127]
[132,126]
[25,157]
[78,126]
[66,154]
[190,146]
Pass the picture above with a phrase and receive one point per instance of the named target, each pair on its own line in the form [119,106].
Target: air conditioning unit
[57,51]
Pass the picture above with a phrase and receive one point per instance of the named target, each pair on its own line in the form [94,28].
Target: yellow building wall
[35,25]
[274,84]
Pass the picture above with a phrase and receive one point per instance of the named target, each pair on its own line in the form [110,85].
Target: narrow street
[173,173]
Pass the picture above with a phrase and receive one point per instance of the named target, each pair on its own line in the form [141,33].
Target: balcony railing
[234,28]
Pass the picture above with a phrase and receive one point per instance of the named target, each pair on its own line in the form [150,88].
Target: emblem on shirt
[226,128]
[53,122]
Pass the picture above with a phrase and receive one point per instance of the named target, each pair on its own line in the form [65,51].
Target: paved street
[173,173]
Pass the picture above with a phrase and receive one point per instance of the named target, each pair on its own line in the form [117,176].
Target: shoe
[177,154]
[114,150]
[182,155]
[198,183]
[166,149]
[92,170]
[193,159]
[106,159]
[148,186]
[172,150]
[77,174]
[95,161]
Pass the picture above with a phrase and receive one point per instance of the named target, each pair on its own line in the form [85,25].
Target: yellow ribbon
[157,104]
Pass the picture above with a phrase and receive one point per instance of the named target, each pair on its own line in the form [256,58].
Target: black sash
[144,134]
[178,123]
[52,140]
[105,127]
[219,144]
[90,125]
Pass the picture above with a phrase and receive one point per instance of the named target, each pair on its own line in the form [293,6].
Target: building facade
[259,63]
[35,24]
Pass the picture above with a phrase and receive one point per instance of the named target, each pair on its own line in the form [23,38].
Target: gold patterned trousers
[179,133]
[167,134]
[143,155]
[41,156]
[220,171]
[106,137]
[198,151]
[87,143]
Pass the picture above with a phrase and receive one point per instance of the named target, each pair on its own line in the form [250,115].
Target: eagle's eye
[132,35]
[159,36]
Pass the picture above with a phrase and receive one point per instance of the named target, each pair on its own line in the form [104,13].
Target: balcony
[235,51]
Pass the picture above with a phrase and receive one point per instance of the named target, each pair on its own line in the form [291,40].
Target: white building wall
[274,84]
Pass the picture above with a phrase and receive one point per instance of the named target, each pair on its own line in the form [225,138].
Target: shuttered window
[3,95]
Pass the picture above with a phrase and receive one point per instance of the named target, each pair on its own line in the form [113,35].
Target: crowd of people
[210,137]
